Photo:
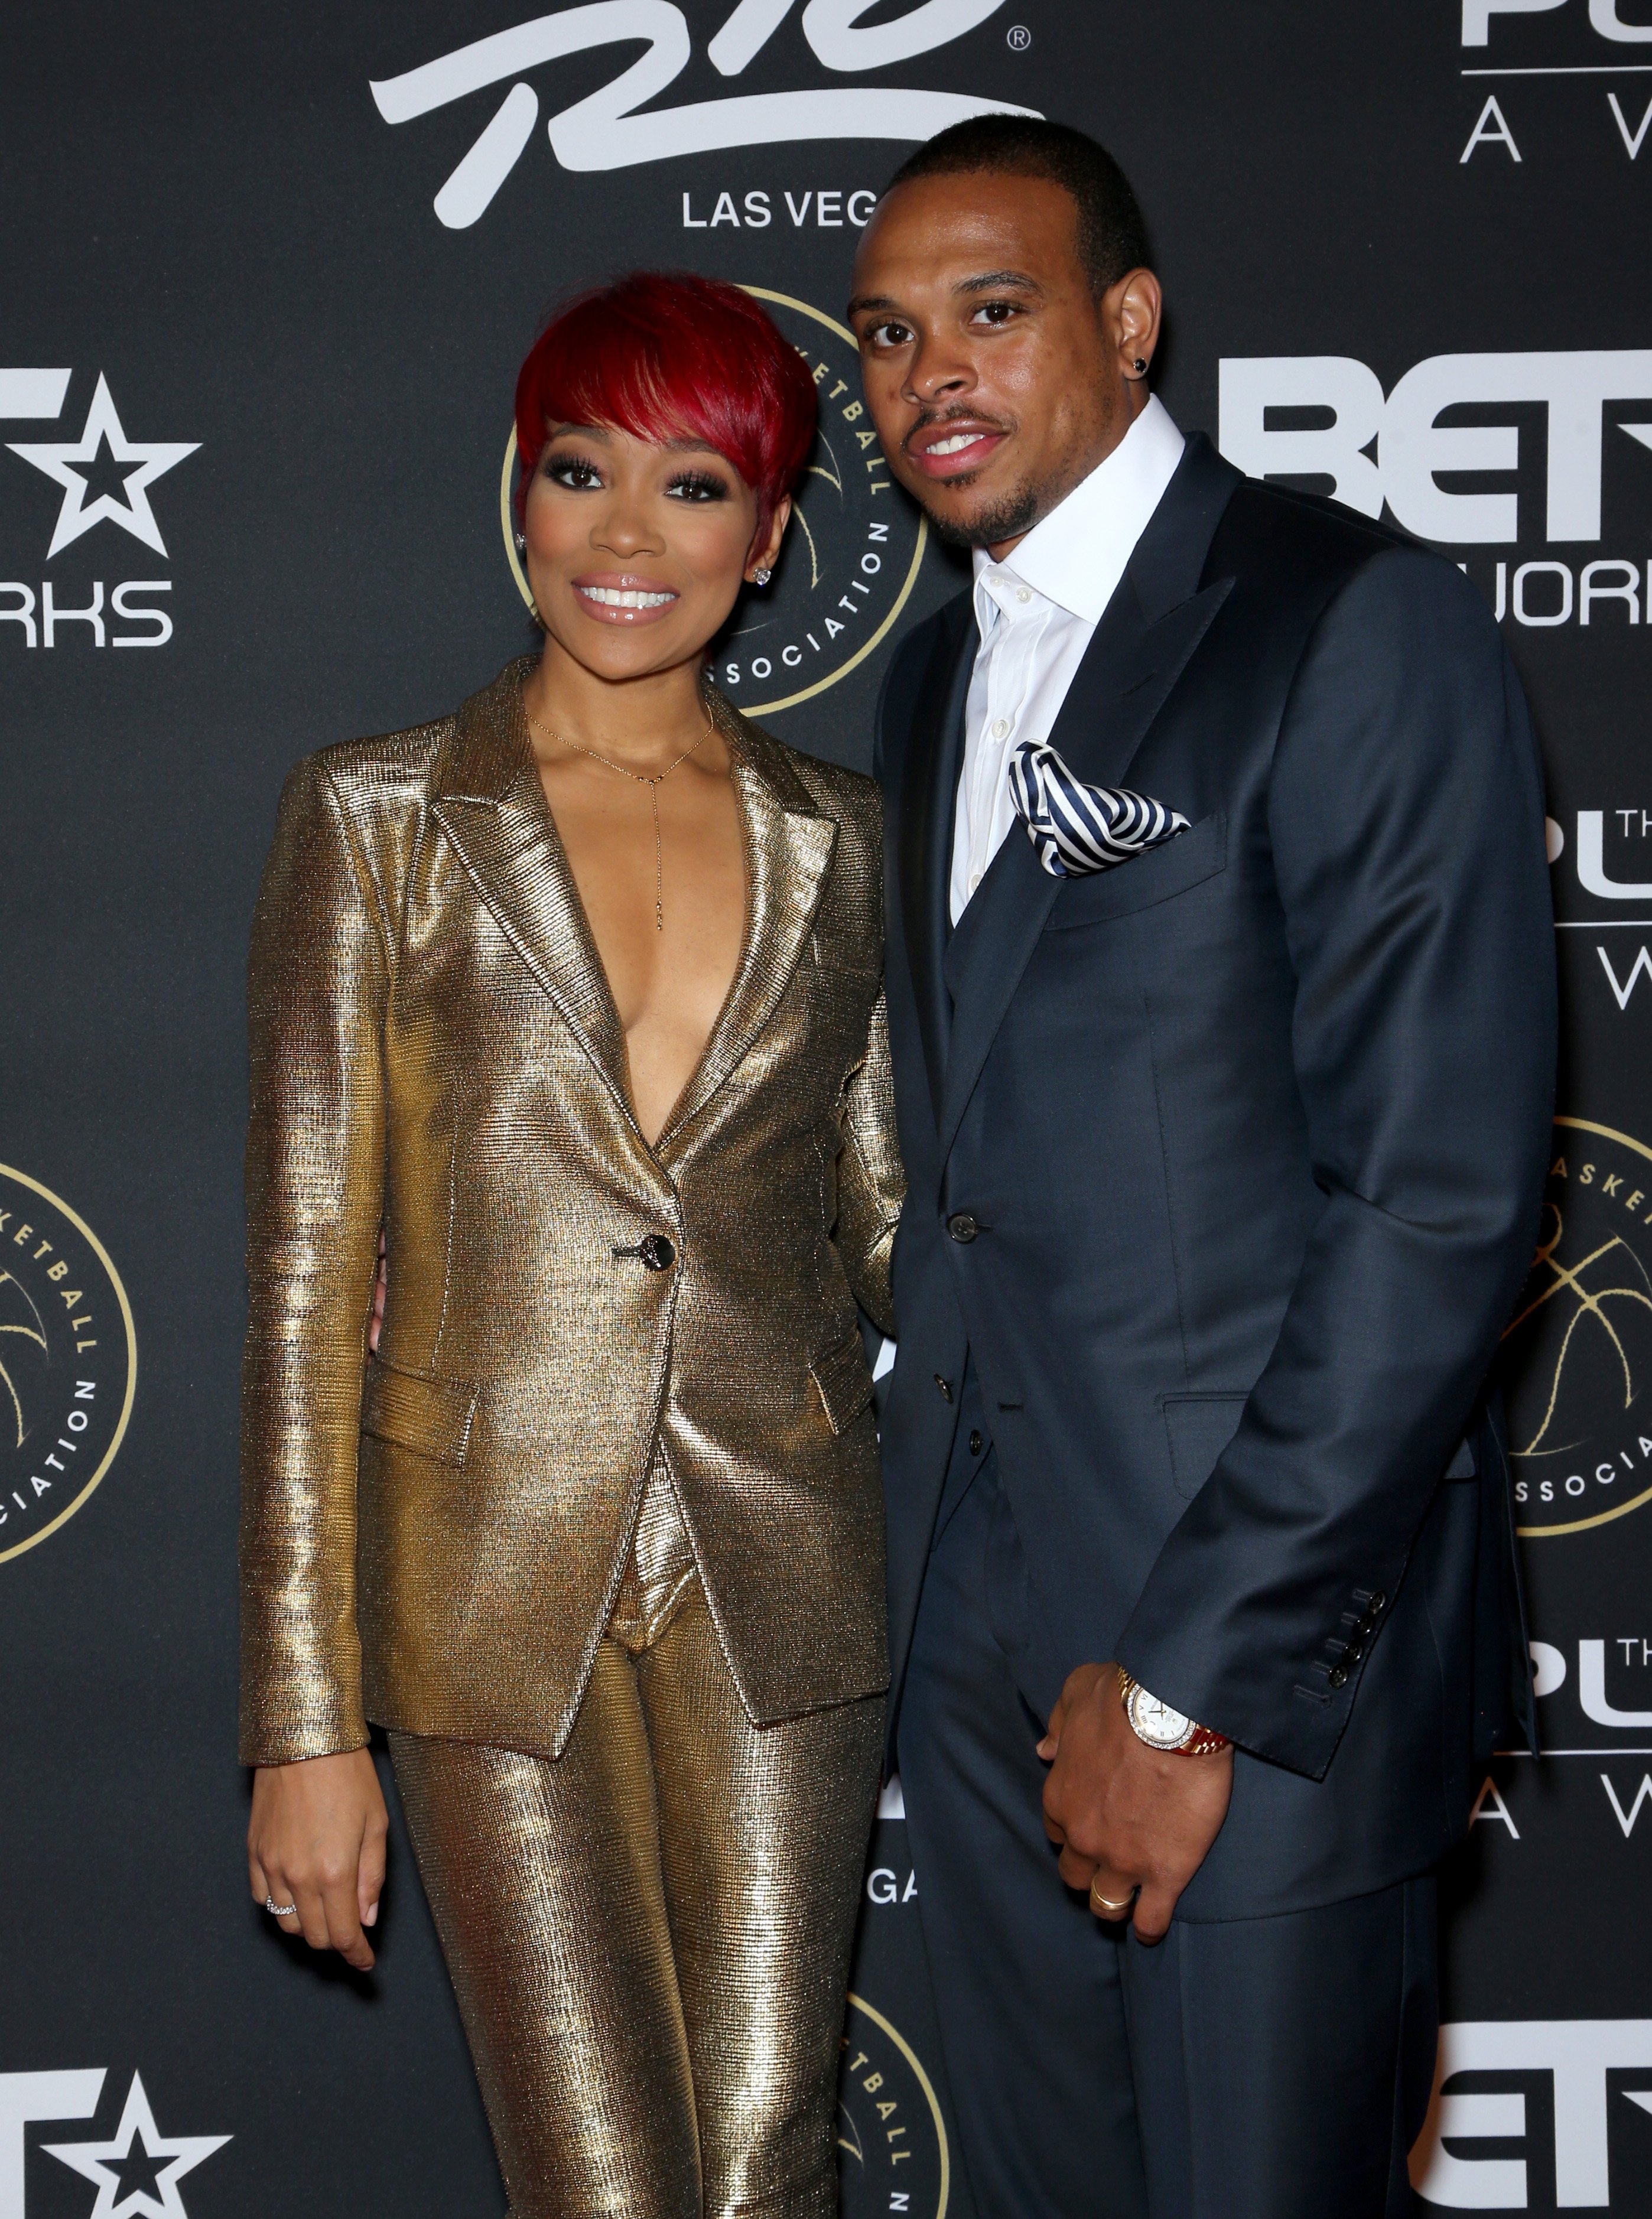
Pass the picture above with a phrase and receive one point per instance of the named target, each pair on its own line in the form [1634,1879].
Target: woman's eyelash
[700,483]
[557,465]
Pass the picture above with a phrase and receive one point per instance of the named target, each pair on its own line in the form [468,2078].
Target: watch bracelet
[1201,1741]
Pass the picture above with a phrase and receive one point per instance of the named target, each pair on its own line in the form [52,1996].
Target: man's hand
[1127,1817]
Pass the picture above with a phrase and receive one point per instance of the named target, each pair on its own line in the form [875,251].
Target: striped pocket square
[1079,828]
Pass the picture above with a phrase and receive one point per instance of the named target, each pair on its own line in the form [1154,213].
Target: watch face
[1156,1723]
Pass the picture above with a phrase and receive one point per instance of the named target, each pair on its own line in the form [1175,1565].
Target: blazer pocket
[432,1417]
[849,951]
[1158,875]
[844,1379]
[1199,1427]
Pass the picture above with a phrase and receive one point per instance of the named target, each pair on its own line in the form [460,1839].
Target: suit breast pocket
[1159,875]
[1199,1427]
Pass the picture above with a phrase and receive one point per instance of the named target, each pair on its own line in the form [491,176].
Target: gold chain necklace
[653,781]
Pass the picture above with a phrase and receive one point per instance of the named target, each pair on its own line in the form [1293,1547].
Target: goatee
[1012,514]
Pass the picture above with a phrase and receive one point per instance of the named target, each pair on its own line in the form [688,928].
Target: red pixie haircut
[665,355]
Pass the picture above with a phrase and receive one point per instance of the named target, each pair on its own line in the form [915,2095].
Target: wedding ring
[280,1910]
[1105,1903]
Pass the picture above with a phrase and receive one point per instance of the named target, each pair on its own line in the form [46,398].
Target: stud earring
[1142,367]
[521,542]
[761,577]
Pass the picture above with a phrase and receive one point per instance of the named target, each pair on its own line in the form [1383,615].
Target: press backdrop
[267,275]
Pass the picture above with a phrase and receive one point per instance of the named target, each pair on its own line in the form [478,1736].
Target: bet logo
[68,1362]
[852,552]
[1579,1377]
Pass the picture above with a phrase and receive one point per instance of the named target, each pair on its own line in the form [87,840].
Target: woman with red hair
[571,999]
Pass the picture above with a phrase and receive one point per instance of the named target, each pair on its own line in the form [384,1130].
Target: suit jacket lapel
[489,802]
[934,759]
[789,845]
[1146,636]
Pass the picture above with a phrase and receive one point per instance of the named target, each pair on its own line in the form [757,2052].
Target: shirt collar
[1075,556]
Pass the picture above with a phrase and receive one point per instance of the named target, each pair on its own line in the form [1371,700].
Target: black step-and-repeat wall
[267,275]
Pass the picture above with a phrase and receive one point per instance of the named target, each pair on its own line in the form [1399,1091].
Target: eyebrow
[686,443]
[989,280]
[994,281]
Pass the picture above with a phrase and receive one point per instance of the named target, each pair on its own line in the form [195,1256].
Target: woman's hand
[316,1841]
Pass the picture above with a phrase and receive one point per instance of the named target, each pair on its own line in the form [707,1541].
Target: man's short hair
[1112,237]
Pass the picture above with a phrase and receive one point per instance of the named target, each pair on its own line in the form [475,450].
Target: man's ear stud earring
[521,542]
[1141,366]
[761,577]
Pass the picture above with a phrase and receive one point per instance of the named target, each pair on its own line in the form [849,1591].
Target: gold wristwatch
[1160,1727]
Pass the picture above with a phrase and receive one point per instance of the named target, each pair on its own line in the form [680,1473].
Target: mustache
[927,418]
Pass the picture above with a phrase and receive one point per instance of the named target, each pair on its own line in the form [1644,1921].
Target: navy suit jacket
[1254,1126]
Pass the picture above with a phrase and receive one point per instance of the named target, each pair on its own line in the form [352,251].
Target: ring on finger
[280,1910]
[1099,1902]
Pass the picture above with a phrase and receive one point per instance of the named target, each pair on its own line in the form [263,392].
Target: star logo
[136,2174]
[104,450]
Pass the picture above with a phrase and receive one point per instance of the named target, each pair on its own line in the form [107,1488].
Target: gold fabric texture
[435,1539]
[649,1936]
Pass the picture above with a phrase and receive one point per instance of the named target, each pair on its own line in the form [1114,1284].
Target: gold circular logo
[1579,1377]
[68,1362]
[852,552]
[891,2139]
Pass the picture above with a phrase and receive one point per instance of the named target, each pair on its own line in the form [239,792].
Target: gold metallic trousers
[649,1936]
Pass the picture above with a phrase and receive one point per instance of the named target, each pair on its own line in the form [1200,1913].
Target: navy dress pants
[1265,2068]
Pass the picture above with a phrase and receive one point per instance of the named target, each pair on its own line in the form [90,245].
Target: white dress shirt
[1037,612]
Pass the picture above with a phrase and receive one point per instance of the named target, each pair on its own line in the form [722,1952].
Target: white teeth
[616,597]
[955,445]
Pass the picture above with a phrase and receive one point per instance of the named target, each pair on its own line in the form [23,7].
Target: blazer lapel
[789,845]
[933,761]
[1147,635]
[489,802]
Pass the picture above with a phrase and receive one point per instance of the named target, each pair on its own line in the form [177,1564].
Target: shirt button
[1001,725]
[974,880]
[1023,593]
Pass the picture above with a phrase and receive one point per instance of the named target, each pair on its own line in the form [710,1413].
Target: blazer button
[656,1252]
[975,1444]
[962,1226]
[946,1390]
[1338,1676]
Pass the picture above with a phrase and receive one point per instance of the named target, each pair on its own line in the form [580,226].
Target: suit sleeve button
[1338,1676]
[1379,1601]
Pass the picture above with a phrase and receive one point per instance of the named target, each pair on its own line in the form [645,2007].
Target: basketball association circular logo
[1579,1377]
[68,1362]
[891,2139]
[852,552]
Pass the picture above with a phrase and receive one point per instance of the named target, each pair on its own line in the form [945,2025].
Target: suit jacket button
[975,1444]
[962,1226]
[945,1390]
[1379,1601]
[1353,1652]
[1338,1676]
[656,1252]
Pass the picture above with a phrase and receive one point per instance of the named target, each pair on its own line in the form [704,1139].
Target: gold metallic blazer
[433,1538]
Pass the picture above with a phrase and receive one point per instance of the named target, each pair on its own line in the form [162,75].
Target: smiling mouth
[624,597]
[957,454]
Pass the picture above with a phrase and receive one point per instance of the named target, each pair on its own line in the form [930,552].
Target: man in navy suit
[1224,1165]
